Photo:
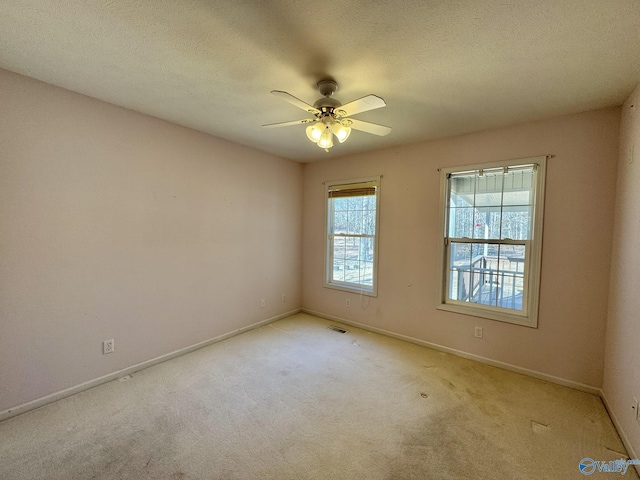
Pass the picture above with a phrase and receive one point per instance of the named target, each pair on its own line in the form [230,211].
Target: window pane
[340,204]
[354,215]
[352,271]
[369,203]
[355,203]
[338,269]
[487,223]
[491,205]
[459,268]
[464,258]
[339,249]
[518,187]
[369,222]
[487,274]
[511,267]
[511,258]
[462,190]
[516,222]
[353,260]
[354,222]
[461,222]
[367,273]
[366,249]
[489,190]
[352,248]
[460,254]
[340,221]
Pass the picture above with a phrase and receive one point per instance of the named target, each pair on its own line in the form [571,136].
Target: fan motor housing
[325,103]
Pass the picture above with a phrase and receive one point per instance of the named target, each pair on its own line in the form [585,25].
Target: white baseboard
[39,402]
[459,353]
[623,436]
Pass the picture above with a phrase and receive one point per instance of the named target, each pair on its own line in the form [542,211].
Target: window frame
[328,239]
[531,290]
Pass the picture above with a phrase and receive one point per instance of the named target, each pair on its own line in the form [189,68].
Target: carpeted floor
[296,400]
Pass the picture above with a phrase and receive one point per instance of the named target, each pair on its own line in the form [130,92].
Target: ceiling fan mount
[327,87]
[330,115]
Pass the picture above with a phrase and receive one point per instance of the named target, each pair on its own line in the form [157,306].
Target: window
[491,226]
[352,235]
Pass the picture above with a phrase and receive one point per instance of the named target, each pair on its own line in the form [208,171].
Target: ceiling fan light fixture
[341,132]
[314,132]
[326,139]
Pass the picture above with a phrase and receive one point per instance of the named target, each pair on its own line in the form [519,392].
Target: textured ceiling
[444,67]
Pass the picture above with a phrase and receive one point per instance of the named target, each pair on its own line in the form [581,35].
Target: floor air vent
[337,329]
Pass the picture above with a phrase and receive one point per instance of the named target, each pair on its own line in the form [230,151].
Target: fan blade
[368,127]
[287,97]
[294,122]
[370,102]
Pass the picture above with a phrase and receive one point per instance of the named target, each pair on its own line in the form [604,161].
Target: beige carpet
[295,400]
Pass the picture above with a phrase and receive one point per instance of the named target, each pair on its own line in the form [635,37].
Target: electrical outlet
[263,303]
[347,303]
[108,346]
[477,332]
[284,297]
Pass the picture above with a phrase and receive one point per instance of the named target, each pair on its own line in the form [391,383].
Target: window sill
[490,314]
[352,289]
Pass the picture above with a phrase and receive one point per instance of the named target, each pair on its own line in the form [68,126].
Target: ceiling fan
[330,116]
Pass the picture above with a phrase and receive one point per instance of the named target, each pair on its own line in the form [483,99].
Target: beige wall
[117,225]
[622,359]
[576,248]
